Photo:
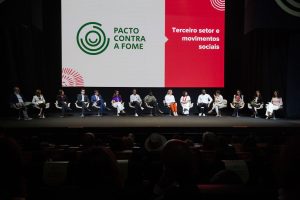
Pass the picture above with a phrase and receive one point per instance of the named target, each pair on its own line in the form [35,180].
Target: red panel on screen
[187,64]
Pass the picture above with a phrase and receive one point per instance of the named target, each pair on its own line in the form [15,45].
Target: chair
[242,106]
[19,109]
[55,172]
[59,107]
[47,106]
[274,115]
[80,107]
[223,105]
[191,105]
[98,107]
[169,109]
[150,108]
[258,108]
[116,108]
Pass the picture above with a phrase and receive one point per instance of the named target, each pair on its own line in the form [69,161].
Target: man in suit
[82,101]
[18,102]
[98,101]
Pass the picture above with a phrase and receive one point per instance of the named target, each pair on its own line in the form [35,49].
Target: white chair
[242,106]
[150,108]
[80,107]
[274,111]
[221,106]
[112,105]
[59,107]
[185,112]
[166,105]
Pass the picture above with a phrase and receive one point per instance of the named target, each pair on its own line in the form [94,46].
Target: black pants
[84,107]
[137,106]
[154,104]
[203,108]
[42,107]
[64,107]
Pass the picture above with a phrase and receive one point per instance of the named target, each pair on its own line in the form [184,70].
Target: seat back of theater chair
[239,167]
[123,166]
[55,172]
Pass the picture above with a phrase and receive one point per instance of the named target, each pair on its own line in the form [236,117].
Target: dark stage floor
[181,123]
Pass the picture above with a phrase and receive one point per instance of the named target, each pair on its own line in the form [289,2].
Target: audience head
[98,169]
[209,141]
[155,142]
[289,173]
[11,175]
[178,161]
[88,139]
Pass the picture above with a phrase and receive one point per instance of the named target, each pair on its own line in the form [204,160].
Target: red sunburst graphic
[71,78]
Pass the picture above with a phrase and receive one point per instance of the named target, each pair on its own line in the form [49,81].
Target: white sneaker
[200,114]
[28,118]
[136,115]
[142,108]
[118,114]
[203,115]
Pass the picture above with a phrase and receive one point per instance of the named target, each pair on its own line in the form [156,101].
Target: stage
[162,123]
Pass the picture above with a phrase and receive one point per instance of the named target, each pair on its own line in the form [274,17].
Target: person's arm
[233,99]
[209,99]
[34,100]
[199,100]
[131,98]
[281,102]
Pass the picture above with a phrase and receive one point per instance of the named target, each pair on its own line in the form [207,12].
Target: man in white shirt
[203,102]
[136,102]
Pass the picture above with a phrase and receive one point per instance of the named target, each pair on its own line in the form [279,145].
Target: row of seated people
[203,103]
[163,166]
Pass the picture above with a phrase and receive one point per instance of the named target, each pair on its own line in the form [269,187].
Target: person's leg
[217,110]
[172,108]
[63,109]
[205,105]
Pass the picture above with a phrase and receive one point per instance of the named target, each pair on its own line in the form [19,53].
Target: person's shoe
[28,118]
[142,108]
[200,114]
[161,112]
[107,108]
[123,111]
[118,114]
[89,110]
[136,115]
[43,117]
[82,116]
[203,115]
[62,116]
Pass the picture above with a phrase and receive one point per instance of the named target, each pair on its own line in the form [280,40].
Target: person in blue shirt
[98,102]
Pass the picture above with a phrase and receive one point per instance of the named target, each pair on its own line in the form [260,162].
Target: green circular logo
[91,39]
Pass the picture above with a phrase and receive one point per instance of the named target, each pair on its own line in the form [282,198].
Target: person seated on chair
[218,103]
[170,102]
[83,101]
[150,100]
[17,101]
[136,102]
[203,102]
[118,103]
[98,101]
[256,103]
[39,102]
[237,103]
[186,103]
[275,104]
[62,101]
